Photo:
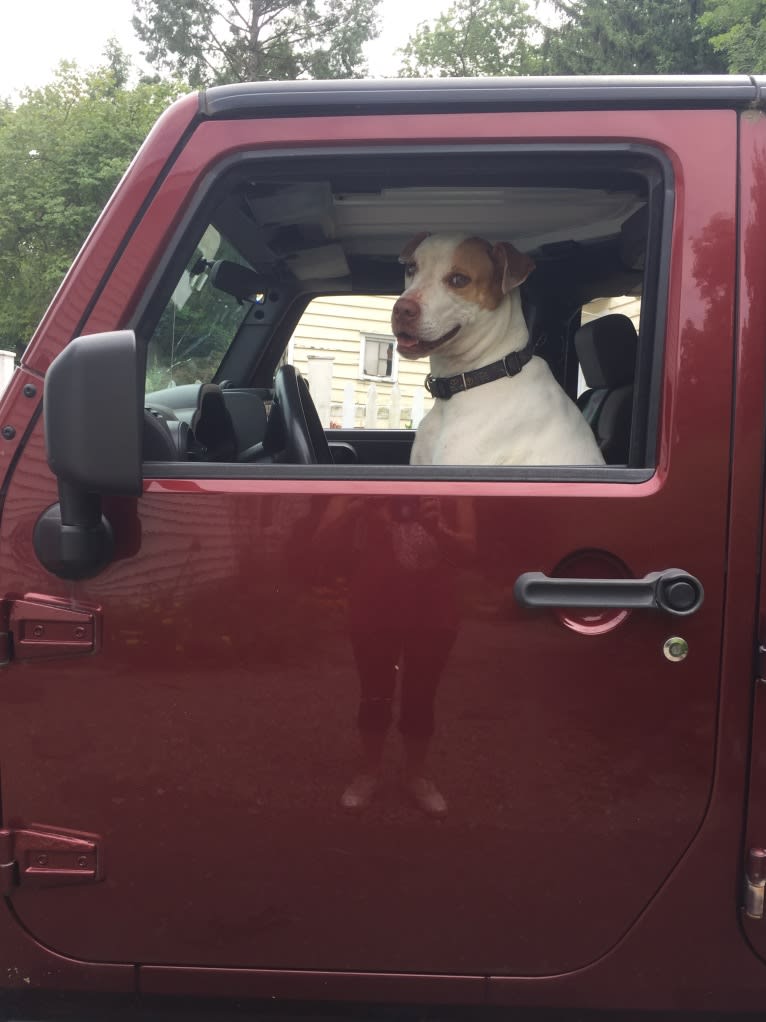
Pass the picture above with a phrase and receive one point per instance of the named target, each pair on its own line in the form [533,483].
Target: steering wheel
[294,428]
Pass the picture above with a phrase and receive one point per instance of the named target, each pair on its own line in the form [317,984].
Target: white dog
[495,403]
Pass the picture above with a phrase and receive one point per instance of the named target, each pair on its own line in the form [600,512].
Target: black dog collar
[445,386]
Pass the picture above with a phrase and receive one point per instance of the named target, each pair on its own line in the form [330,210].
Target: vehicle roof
[410,95]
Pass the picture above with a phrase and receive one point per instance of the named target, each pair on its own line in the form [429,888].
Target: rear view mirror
[238,281]
[93,427]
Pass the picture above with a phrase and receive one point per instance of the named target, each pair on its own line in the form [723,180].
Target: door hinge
[761,663]
[38,857]
[38,627]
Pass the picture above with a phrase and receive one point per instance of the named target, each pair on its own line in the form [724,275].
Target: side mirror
[93,428]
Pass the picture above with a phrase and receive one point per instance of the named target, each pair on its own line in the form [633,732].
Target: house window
[378,356]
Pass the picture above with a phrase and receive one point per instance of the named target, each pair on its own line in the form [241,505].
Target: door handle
[674,591]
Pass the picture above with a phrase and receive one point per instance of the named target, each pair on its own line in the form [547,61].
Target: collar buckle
[513,363]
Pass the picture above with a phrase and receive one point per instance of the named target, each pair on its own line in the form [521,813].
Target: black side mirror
[93,428]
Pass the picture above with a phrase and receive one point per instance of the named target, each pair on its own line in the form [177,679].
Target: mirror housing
[93,414]
[93,432]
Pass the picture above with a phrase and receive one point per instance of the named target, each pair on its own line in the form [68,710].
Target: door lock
[676,649]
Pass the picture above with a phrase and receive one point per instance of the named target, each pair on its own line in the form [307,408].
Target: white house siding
[335,326]
[626,304]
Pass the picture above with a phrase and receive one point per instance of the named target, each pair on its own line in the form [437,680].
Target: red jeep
[216,597]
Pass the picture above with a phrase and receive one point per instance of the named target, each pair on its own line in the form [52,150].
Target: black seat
[606,349]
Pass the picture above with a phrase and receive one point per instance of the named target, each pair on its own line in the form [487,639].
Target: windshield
[198,323]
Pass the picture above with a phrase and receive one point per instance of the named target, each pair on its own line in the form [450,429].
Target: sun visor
[305,203]
[322,263]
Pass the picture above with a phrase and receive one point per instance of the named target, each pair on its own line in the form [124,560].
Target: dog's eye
[409,269]
[458,280]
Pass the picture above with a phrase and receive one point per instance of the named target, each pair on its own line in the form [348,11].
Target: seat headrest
[248,413]
[212,426]
[606,349]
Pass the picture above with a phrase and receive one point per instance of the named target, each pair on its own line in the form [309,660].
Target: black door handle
[674,591]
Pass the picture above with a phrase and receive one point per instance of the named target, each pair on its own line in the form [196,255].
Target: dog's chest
[524,420]
[468,429]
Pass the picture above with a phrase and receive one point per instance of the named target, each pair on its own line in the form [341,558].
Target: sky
[33,40]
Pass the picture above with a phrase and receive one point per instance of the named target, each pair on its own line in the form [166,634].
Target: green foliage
[212,42]
[501,37]
[628,37]
[62,151]
[474,37]
[737,31]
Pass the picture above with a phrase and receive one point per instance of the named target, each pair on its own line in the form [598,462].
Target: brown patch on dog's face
[474,275]
[452,283]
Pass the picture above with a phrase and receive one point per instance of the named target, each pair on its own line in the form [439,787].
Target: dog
[495,402]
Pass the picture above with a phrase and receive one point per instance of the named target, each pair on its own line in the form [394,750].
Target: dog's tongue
[406,342]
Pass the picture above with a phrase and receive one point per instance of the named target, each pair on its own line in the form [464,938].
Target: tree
[62,151]
[737,31]
[474,37]
[210,42]
[628,37]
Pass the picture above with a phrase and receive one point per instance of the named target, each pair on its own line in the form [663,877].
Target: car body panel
[595,788]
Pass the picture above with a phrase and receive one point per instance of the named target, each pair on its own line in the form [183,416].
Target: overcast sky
[34,39]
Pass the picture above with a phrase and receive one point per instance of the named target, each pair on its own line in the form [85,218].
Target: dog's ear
[406,253]
[513,266]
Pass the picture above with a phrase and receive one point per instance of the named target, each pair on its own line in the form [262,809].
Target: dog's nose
[406,310]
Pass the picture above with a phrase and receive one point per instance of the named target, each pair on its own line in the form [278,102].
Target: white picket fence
[373,414]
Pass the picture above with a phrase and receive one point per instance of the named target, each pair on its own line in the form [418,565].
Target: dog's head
[453,284]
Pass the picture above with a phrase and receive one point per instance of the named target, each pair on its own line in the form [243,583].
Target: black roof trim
[270,99]
[760,84]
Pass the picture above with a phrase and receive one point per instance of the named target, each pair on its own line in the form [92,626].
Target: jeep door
[208,740]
